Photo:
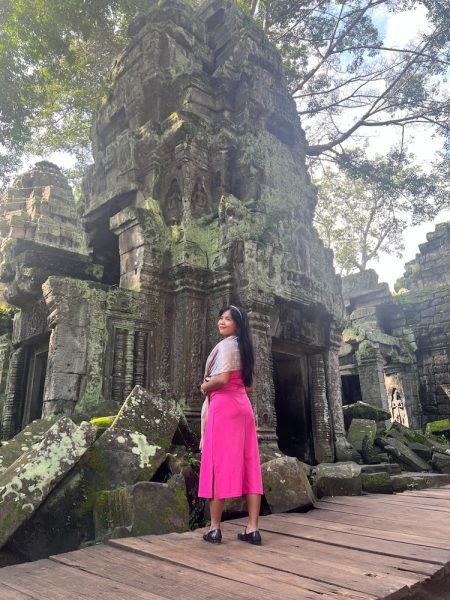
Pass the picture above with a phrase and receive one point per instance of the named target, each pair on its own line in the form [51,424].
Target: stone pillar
[342,449]
[189,335]
[263,395]
[15,394]
[371,375]
[320,413]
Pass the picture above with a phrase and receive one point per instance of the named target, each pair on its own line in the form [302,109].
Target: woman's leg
[216,509]
[253,506]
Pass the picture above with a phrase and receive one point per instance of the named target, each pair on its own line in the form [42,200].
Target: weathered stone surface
[25,484]
[424,452]
[441,462]
[442,426]
[33,433]
[181,462]
[145,508]
[402,453]
[419,481]
[362,432]
[286,485]
[125,457]
[64,520]
[339,479]
[390,468]
[362,410]
[377,483]
[155,417]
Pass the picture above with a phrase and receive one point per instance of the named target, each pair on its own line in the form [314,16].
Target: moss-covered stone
[142,509]
[377,483]
[338,479]
[286,485]
[26,483]
[442,426]
[155,417]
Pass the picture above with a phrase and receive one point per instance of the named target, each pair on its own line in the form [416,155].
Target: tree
[55,56]
[362,210]
[346,79]
[54,61]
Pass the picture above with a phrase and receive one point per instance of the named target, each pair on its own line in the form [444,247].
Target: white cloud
[390,268]
[402,28]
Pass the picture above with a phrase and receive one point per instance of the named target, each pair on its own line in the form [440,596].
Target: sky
[398,30]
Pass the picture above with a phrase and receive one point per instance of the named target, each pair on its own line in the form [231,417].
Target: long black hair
[244,341]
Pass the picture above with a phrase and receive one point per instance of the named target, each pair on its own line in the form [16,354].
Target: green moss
[103,422]
[438,426]
[377,483]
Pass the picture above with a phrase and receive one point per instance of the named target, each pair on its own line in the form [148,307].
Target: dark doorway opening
[292,384]
[36,372]
[105,251]
[351,389]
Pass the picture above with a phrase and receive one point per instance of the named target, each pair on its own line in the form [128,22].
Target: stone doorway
[292,384]
[34,394]
[351,389]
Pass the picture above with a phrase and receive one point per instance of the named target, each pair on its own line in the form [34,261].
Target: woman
[230,465]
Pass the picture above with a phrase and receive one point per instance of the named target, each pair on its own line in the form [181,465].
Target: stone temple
[396,349]
[198,196]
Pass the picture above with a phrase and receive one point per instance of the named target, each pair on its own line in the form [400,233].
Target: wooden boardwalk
[350,548]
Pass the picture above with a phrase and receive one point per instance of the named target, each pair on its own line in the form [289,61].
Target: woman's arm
[215,383]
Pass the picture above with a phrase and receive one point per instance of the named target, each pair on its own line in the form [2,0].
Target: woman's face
[227,326]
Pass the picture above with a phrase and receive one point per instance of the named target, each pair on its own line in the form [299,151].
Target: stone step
[419,481]
[391,468]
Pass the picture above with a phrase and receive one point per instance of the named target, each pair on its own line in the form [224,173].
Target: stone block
[362,432]
[421,450]
[339,479]
[142,509]
[401,452]
[33,433]
[155,417]
[362,410]
[27,482]
[441,426]
[123,457]
[377,483]
[441,462]
[286,485]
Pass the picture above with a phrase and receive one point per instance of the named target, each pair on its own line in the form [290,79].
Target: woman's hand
[200,445]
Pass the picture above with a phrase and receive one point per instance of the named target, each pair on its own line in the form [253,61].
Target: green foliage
[362,207]
[55,59]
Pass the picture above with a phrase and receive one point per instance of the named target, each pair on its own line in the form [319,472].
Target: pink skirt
[230,465]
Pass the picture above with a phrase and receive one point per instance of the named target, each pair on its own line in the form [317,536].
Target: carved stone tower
[198,197]
[200,173]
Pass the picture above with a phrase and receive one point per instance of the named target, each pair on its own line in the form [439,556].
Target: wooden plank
[425,514]
[403,567]
[334,570]
[341,515]
[397,519]
[344,539]
[420,504]
[341,522]
[282,563]
[8,593]
[52,581]
[433,493]
[151,573]
[230,565]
